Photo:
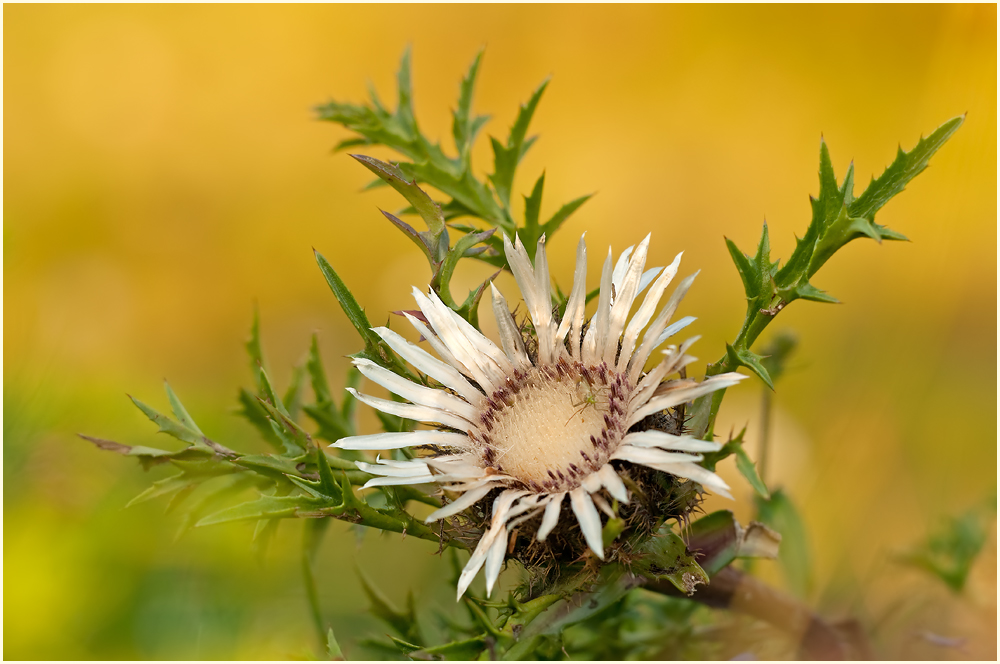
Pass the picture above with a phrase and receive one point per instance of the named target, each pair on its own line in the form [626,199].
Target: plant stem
[736,591]
[312,534]
[765,434]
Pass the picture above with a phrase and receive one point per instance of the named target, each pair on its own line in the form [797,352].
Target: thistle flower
[552,413]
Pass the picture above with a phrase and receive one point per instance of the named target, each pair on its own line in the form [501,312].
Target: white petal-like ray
[460,347]
[621,266]
[694,472]
[613,483]
[647,277]
[639,358]
[418,394]
[390,468]
[551,516]
[524,273]
[412,411]
[476,561]
[442,372]
[589,519]
[625,294]
[645,311]
[683,395]
[494,559]
[647,386]
[572,321]
[592,483]
[478,340]
[597,334]
[439,347]
[602,504]
[510,336]
[673,329]
[483,352]
[467,499]
[397,481]
[398,440]
[669,441]
[648,455]
[501,506]
[543,317]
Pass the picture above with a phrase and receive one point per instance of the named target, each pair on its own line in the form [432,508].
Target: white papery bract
[546,425]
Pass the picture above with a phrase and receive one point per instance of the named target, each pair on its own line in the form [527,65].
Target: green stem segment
[312,535]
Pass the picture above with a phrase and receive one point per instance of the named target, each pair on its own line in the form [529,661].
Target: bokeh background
[163,172]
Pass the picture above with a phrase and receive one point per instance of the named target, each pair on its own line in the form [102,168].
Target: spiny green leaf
[906,166]
[170,427]
[265,507]
[748,469]
[295,439]
[807,291]
[562,214]
[463,126]
[293,395]
[333,650]
[270,395]
[506,158]
[428,210]
[750,360]
[179,411]
[532,211]
[423,240]
[470,308]
[164,487]
[257,416]
[347,302]
[254,349]
[404,110]
[442,280]
[328,483]
[317,375]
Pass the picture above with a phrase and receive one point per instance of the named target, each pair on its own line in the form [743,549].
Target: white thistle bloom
[547,425]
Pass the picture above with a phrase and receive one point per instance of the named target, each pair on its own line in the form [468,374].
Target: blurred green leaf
[333,651]
[269,507]
[506,158]
[950,551]
[179,411]
[293,395]
[254,350]
[404,622]
[780,513]
[254,413]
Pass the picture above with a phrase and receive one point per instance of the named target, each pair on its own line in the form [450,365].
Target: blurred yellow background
[163,171]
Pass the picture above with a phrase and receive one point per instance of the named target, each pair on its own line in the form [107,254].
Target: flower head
[558,410]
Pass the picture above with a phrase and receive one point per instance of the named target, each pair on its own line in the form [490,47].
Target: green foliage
[837,218]
[487,200]
[743,462]
[951,550]
[780,513]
